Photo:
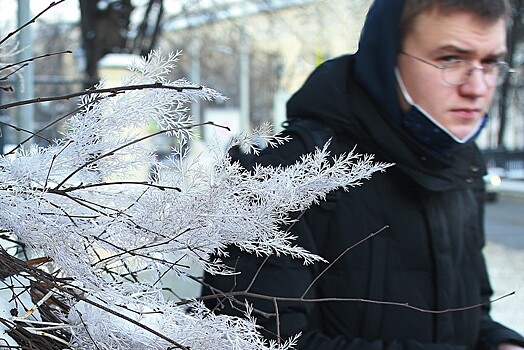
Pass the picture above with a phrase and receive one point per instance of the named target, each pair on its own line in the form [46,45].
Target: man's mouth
[467,113]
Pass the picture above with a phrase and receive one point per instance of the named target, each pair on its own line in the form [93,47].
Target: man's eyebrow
[447,49]
[451,49]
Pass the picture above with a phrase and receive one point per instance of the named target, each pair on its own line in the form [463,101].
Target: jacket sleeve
[492,333]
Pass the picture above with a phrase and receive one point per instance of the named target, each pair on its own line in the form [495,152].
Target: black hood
[322,96]
[325,96]
[376,57]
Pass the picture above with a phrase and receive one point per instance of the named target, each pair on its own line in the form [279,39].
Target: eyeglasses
[457,72]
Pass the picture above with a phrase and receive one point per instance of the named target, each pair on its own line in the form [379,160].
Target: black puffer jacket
[428,257]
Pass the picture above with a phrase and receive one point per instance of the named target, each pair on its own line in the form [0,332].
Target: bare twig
[24,62]
[112,152]
[37,133]
[33,20]
[10,88]
[363,300]
[340,256]
[143,183]
[17,128]
[53,161]
[111,91]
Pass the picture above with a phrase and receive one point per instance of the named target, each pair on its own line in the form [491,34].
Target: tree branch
[111,91]
[33,20]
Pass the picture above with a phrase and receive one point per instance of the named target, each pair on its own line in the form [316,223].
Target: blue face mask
[423,127]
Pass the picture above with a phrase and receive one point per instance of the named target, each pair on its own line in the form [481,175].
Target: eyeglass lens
[459,72]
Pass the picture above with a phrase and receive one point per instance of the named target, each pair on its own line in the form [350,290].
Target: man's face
[439,38]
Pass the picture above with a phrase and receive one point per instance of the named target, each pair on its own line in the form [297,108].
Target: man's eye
[490,62]
[450,59]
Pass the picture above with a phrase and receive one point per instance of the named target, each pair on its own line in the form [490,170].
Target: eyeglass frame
[443,67]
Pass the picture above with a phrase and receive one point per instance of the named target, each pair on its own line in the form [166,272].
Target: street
[505,222]
[505,258]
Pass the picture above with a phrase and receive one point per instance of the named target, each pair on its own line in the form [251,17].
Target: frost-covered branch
[17,30]
[114,220]
[98,91]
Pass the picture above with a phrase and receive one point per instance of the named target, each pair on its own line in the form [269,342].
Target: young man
[415,94]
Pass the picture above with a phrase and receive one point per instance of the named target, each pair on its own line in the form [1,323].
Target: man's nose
[475,84]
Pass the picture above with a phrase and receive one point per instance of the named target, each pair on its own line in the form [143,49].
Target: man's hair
[490,10]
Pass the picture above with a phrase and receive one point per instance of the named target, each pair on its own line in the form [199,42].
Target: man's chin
[463,133]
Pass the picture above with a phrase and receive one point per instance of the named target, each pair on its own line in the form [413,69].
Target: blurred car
[493,180]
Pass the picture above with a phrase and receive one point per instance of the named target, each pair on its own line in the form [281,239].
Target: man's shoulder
[333,68]
[312,133]
[338,60]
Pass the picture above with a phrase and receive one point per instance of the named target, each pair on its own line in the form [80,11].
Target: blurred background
[256,52]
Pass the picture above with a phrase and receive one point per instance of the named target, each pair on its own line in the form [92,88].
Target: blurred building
[265,47]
